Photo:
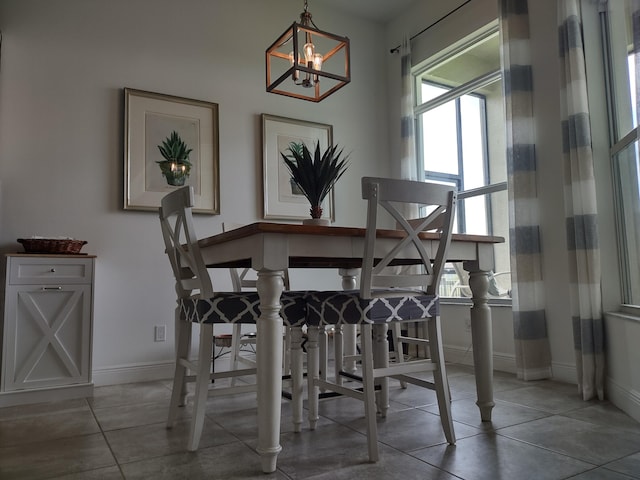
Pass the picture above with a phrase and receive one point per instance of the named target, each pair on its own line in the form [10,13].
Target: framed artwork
[153,120]
[282,200]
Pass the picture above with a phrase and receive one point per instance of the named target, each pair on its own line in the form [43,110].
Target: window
[620,68]
[460,136]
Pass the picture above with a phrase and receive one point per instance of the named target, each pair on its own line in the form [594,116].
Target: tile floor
[540,430]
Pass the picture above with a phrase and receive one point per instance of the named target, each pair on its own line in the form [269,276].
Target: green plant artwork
[315,173]
[176,166]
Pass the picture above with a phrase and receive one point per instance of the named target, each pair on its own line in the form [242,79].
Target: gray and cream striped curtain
[408,167]
[408,162]
[533,355]
[580,205]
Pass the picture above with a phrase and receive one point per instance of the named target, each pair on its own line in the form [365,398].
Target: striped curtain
[408,162]
[533,355]
[408,167]
[580,205]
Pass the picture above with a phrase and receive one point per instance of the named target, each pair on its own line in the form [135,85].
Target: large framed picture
[187,131]
[282,199]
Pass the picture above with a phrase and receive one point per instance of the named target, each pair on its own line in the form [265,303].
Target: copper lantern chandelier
[309,74]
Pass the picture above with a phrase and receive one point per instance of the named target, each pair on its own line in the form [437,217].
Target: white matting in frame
[281,200]
[149,119]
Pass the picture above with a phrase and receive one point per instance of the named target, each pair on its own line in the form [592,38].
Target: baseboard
[626,400]
[46,394]
[141,372]
[502,362]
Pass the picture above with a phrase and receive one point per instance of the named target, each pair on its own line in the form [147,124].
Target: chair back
[181,244]
[393,195]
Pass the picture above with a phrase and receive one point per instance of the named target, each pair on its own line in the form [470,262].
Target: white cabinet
[47,328]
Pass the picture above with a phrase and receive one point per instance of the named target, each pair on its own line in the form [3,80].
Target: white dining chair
[390,295]
[198,303]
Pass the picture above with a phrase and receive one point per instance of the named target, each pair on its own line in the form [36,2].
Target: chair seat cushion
[347,307]
[241,307]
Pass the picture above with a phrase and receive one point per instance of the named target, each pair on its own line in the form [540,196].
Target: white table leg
[481,337]
[269,365]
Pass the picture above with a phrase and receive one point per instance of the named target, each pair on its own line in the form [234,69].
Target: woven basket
[52,245]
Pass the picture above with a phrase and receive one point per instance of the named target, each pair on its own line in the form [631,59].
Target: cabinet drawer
[46,270]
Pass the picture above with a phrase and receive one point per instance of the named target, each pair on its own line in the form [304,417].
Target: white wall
[64,65]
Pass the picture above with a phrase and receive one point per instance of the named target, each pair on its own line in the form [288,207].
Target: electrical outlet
[160,333]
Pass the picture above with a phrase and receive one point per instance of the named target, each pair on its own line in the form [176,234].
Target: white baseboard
[142,372]
[464,356]
[505,362]
[627,400]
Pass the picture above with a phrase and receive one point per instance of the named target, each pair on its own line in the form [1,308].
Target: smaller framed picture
[282,199]
[170,142]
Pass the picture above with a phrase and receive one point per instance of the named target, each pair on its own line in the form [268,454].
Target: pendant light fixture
[307,63]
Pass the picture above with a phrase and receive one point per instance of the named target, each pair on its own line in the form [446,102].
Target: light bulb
[317,61]
[308,52]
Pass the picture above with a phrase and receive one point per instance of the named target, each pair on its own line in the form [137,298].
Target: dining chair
[387,295]
[198,303]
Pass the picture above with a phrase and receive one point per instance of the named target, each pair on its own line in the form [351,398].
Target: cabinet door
[47,336]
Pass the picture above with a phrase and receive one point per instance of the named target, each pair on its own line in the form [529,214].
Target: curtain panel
[580,205]
[533,354]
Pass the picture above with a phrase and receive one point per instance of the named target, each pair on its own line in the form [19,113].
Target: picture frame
[150,119]
[281,200]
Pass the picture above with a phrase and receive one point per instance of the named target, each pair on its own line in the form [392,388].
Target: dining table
[270,248]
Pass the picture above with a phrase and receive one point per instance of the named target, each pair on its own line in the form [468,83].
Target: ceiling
[378,10]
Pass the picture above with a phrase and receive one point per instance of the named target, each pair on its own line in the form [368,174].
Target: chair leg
[297,389]
[381,360]
[313,374]
[368,388]
[398,346]
[323,345]
[286,353]
[203,375]
[235,349]
[440,379]
[338,353]
[179,388]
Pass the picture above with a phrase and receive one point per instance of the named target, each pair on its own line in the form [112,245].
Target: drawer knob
[53,270]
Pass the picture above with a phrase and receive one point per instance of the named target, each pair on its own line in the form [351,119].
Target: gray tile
[541,396]
[606,414]
[390,466]
[126,394]
[46,408]
[229,462]
[107,473]
[504,414]
[488,456]
[243,424]
[347,409]
[582,440]
[150,441]
[56,457]
[628,465]
[601,474]
[41,427]
[329,448]
[414,429]
[134,415]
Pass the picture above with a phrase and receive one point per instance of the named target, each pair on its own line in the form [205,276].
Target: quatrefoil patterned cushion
[346,307]
[241,307]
